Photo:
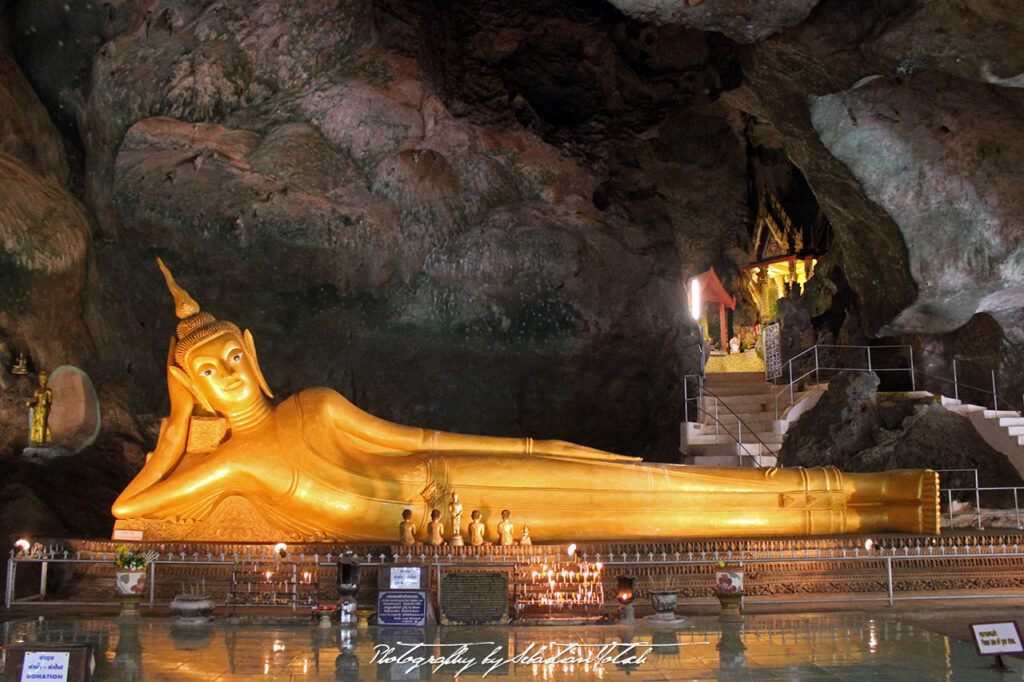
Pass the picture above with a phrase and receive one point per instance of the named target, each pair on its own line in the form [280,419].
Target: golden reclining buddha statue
[230,464]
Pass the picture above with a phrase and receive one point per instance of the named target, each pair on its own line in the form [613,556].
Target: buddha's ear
[250,348]
[177,374]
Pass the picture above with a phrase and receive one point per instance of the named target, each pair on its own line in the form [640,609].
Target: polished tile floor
[837,646]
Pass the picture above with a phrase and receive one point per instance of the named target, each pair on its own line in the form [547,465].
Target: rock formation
[480,216]
[855,429]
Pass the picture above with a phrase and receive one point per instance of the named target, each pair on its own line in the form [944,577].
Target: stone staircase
[751,398]
[732,396]
[1002,429]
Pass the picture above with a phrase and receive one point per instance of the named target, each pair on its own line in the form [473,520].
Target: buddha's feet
[905,501]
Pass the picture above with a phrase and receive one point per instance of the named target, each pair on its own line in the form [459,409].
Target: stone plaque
[474,597]
[405,607]
[75,414]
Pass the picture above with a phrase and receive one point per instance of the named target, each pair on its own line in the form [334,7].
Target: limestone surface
[481,215]
[937,153]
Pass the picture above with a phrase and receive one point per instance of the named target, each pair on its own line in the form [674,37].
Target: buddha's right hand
[170,445]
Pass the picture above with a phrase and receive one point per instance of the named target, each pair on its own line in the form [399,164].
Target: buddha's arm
[169,446]
[375,434]
[187,495]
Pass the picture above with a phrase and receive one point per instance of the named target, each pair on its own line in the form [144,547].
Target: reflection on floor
[839,646]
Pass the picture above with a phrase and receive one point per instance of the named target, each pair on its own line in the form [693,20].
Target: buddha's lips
[234,385]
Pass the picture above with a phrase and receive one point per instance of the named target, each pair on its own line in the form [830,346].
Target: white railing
[974,371]
[811,362]
[977,494]
[907,550]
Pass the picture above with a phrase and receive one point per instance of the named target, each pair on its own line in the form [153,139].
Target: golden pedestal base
[233,520]
[731,612]
[129,607]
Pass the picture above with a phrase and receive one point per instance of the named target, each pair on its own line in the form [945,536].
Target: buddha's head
[43,376]
[215,360]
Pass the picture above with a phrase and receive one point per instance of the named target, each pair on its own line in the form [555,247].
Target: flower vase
[130,586]
[729,590]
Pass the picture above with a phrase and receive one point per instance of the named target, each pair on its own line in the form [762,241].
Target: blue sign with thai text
[405,607]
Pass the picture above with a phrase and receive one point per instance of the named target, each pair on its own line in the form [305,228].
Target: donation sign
[405,577]
[45,665]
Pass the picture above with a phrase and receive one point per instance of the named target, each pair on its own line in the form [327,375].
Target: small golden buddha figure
[316,467]
[20,365]
[407,529]
[41,401]
[524,539]
[505,528]
[435,529]
[476,529]
[455,511]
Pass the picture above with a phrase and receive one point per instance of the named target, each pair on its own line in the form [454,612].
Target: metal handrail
[761,445]
[878,553]
[978,513]
[977,494]
[957,384]
[914,372]
[686,396]
[817,368]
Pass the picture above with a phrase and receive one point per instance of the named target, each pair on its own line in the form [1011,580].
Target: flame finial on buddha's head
[195,327]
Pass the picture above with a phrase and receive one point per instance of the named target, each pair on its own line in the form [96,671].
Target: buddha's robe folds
[321,469]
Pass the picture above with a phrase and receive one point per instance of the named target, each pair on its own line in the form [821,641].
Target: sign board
[772,344]
[474,597]
[46,662]
[128,535]
[402,607]
[405,578]
[993,639]
[45,665]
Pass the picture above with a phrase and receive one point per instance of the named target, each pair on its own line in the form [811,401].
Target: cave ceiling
[480,216]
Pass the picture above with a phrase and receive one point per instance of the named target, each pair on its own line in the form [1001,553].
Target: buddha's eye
[237,357]
[206,372]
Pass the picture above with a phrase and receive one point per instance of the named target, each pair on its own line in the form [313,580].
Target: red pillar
[723,327]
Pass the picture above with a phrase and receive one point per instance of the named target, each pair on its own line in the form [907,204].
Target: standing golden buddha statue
[42,399]
[316,467]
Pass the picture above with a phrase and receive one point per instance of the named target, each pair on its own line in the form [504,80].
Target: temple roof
[711,289]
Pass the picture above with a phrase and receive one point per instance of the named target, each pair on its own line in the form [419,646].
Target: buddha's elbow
[125,508]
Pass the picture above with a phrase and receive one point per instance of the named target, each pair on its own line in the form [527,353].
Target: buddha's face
[223,372]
